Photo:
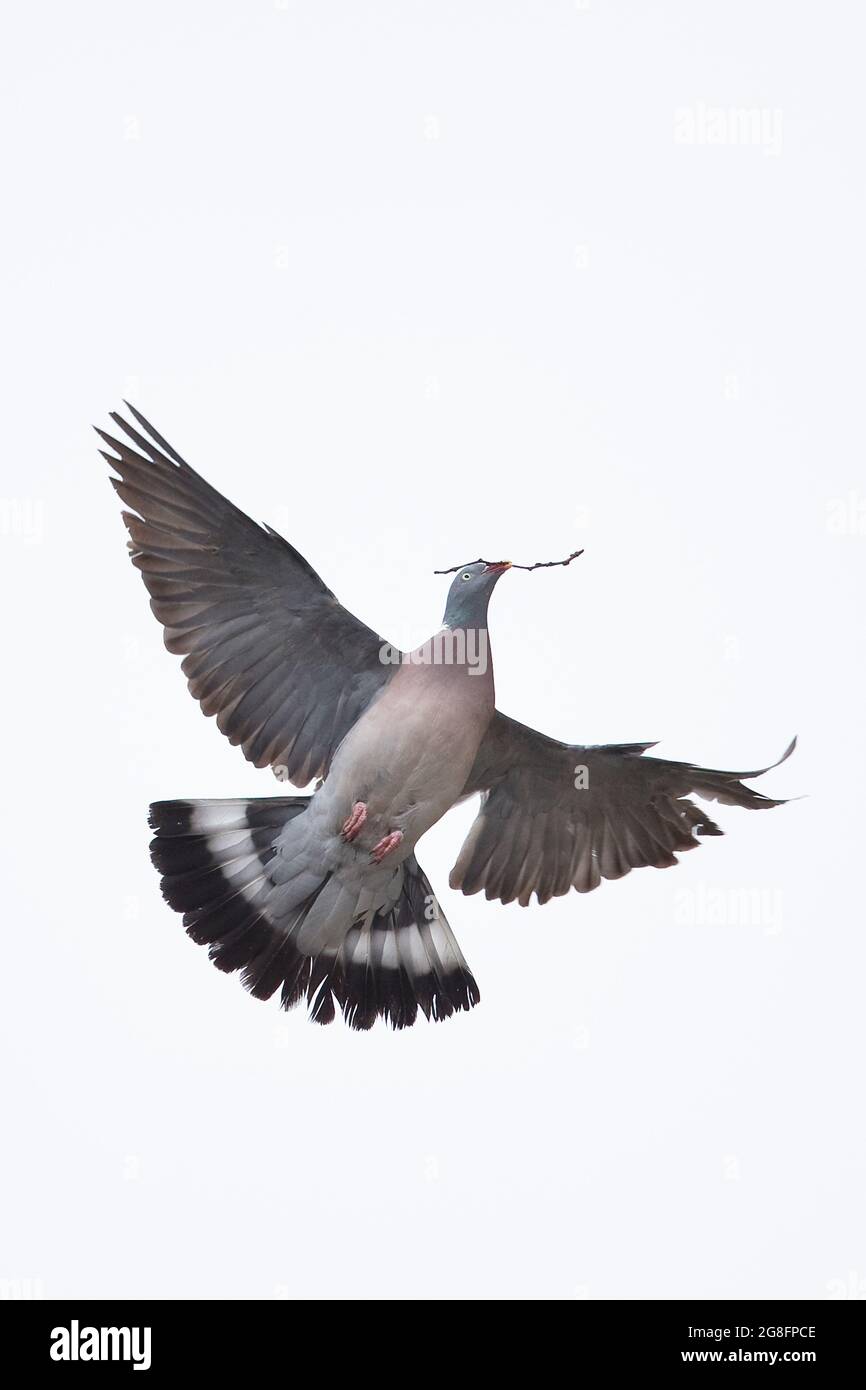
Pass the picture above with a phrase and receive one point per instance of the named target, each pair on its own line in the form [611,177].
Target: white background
[417,282]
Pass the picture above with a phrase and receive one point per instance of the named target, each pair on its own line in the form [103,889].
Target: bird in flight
[321,896]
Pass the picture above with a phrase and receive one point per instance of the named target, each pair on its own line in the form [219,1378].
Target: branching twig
[539,564]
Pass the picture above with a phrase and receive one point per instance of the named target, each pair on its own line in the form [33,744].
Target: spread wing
[267,648]
[556,816]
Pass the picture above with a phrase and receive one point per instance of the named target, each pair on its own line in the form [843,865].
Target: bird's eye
[466,575]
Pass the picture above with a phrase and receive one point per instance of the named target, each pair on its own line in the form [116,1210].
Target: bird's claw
[386,845]
[354,821]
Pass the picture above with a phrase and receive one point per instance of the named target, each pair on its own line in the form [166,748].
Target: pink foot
[352,826]
[385,846]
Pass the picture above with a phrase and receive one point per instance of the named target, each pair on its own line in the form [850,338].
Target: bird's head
[469,595]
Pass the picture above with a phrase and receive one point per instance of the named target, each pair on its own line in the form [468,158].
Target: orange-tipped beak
[498,566]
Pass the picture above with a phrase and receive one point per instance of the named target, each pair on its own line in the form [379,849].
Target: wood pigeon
[321,896]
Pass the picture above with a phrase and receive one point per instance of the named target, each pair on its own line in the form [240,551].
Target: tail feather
[274,918]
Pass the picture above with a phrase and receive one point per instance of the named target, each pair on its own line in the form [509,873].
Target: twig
[539,564]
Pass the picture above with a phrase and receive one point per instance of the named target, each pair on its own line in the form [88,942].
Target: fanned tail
[288,925]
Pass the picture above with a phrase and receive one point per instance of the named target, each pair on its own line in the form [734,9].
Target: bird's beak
[498,567]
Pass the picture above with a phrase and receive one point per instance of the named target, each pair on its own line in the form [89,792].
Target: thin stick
[539,564]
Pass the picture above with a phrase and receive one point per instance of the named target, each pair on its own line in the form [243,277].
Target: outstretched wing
[556,816]
[267,648]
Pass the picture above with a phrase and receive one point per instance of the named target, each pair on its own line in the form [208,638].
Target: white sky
[416,283]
